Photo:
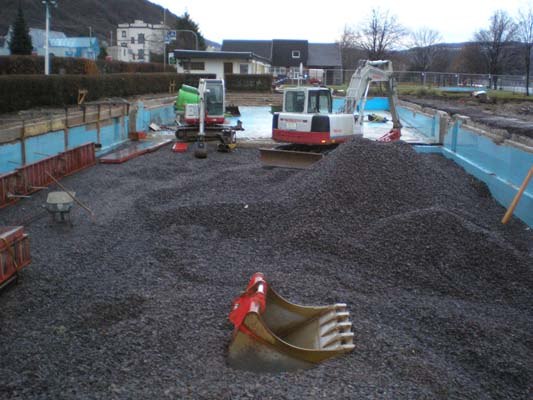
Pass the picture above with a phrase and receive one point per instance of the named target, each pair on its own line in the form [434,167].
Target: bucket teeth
[337,340]
[273,334]
[340,327]
[334,318]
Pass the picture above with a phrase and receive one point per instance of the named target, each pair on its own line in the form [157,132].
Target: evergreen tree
[186,40]
[20,42]
[103,53]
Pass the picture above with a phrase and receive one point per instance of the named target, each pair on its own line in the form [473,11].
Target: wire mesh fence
[444,80]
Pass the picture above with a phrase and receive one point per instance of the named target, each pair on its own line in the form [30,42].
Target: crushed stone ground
[134,303]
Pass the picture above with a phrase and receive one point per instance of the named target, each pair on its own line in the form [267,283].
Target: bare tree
[381,32]
[495,40]
[469,59]
[346,43]
[350,52]
[525,36]
[423,48]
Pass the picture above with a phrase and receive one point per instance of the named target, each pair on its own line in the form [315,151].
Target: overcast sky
[323,21]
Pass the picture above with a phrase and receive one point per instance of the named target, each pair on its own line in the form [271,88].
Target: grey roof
[324,55]
[262,48]
[218,55]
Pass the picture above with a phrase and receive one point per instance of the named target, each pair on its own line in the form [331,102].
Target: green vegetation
[434,92]
[20,42]
[186,39]
[17,65]
[20,92]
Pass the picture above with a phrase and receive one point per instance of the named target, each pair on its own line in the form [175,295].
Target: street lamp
[193,32]
[47,4]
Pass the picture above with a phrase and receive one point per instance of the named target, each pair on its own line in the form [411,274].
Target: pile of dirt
[135,304]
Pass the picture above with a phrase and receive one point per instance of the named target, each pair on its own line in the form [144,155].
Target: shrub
[18,92]
[17,65]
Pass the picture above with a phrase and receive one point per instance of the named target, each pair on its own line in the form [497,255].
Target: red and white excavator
[308,126]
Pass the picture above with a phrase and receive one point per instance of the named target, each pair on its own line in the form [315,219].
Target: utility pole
[164,39]
[47,4]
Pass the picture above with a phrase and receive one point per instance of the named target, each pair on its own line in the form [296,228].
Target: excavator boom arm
[366,73]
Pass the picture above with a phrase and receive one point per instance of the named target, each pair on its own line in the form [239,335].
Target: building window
[140,38]
[243,68]
[194,65]
[296,54]
[132,40]
[124,44]
[277,71]
[123,34]
[141,54]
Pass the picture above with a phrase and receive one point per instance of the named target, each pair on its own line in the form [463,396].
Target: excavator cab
[307,100]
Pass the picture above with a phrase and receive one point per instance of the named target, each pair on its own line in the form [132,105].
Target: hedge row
[236,82]
[34,65]
[20,92]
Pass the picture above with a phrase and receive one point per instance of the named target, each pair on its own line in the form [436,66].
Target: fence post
[66,128]
[98,124]
[23,143]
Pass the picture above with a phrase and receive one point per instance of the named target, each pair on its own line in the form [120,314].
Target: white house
[119,53]
[141,39]
[220,63]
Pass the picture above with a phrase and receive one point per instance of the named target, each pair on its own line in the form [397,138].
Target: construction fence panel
[10,184]
[14,252]
[78,158]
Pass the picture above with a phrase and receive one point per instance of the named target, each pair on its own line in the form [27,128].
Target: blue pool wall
[372,104]
[501,164]
[113,132]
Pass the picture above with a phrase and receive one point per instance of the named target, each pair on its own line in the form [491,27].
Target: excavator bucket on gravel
[274,335]
[288,158]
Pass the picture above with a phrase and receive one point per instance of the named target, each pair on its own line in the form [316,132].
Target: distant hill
[74,17]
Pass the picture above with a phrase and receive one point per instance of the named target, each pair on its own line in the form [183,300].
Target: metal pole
[193,32]
[46,55]
[164,40]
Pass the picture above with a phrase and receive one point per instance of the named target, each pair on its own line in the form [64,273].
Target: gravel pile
[134,303]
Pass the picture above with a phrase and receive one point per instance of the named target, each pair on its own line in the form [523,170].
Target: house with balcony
[140,39]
